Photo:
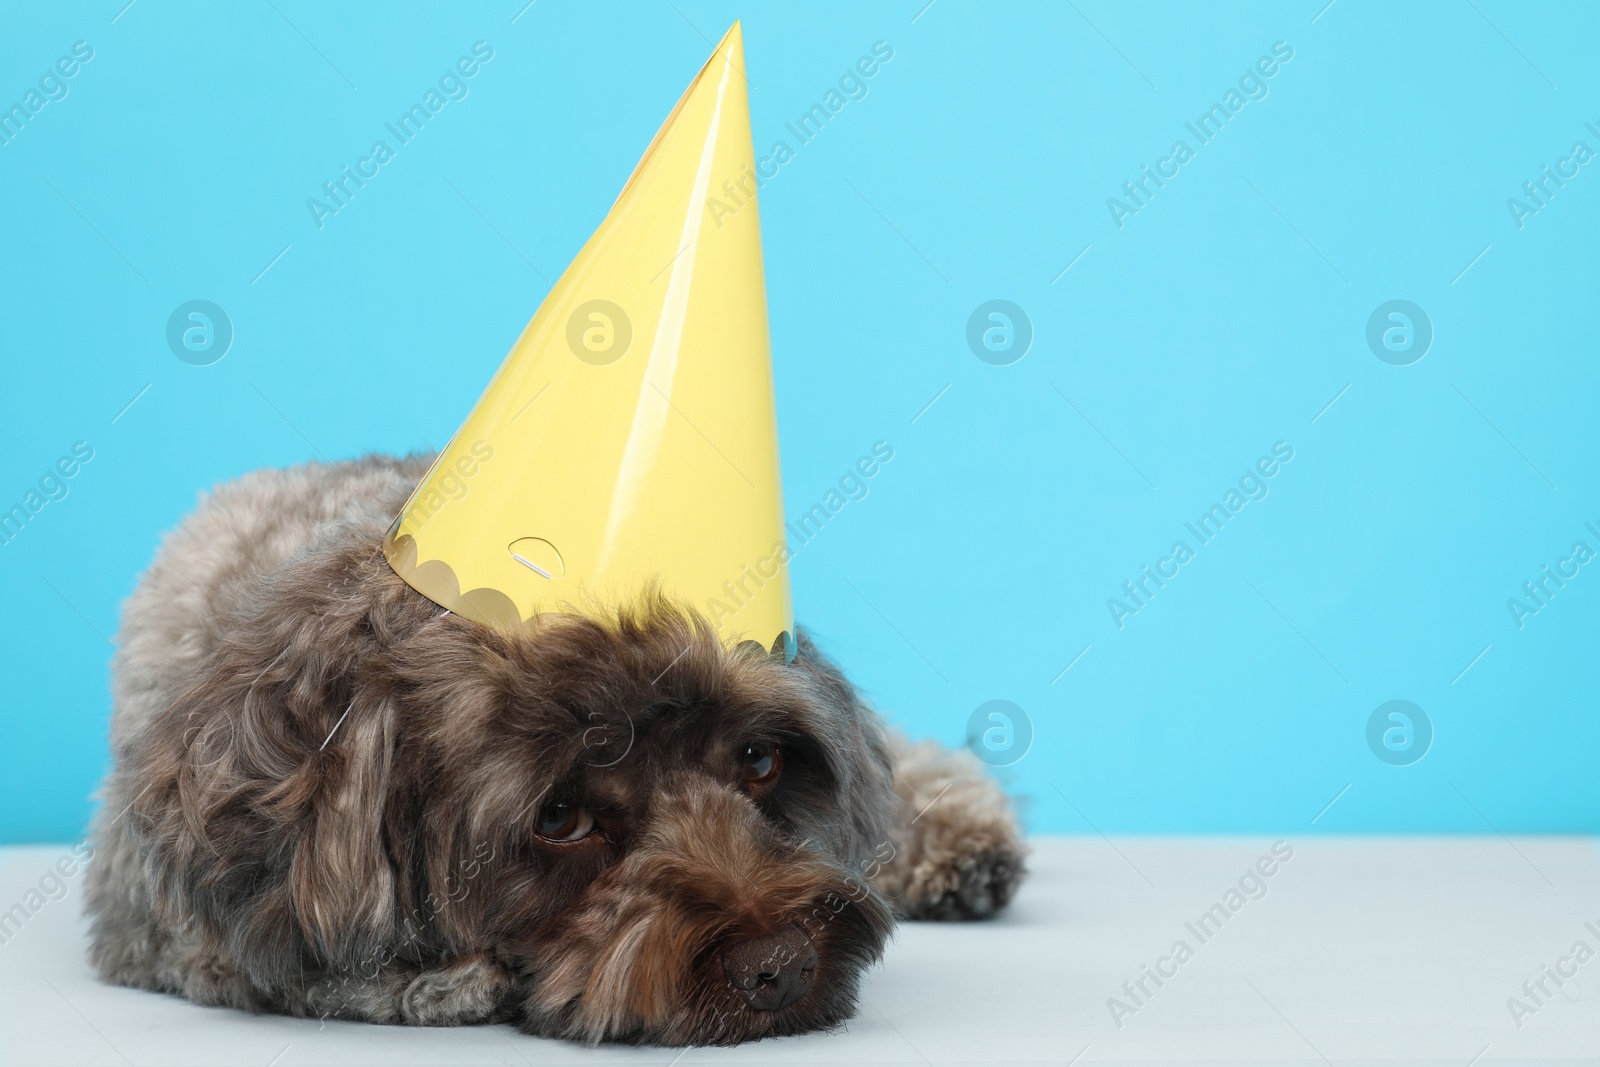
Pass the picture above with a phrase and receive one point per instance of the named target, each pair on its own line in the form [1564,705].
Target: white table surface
[1363,950]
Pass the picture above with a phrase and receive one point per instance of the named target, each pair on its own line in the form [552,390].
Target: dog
[330,797]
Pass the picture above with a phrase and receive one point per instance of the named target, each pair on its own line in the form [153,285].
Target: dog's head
[665,840]
[683,835]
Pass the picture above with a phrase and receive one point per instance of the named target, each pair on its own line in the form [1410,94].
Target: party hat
[629,440]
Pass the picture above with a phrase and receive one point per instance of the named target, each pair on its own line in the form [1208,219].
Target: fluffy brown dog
[332,798]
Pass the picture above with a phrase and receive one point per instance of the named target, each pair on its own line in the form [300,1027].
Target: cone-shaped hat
[630,437]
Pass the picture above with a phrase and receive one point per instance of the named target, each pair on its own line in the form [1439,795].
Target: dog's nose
[771,971]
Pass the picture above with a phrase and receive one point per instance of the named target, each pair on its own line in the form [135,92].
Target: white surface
[1377,950]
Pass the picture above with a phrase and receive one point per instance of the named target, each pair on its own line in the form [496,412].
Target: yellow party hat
[629,440]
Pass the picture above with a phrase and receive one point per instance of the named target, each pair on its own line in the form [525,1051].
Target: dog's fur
[325,789]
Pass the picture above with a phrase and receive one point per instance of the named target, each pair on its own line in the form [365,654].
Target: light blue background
[1222,318]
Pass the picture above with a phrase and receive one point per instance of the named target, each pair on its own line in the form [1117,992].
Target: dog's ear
[857,739]
[269,779]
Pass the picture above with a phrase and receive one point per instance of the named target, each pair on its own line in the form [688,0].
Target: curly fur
[325,790]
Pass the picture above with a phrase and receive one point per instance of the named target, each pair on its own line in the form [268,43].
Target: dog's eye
[562,821]
[761,763]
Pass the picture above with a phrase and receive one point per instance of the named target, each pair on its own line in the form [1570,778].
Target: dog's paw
[970,886]
[209,980]
[468,989]
[958,853]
